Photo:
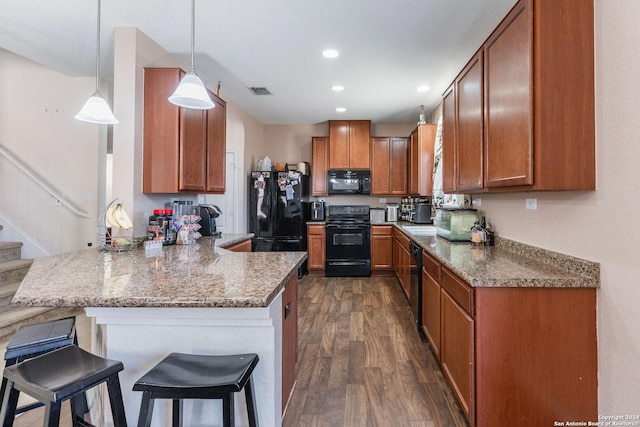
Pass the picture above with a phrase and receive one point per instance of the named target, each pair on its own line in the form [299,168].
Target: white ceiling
[387,48]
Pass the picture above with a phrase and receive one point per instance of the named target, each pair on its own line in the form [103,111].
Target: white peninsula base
[141,337]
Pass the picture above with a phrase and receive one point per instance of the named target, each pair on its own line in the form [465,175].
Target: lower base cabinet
[316,244]
[289,338]
[382,250]
[431,302]
[402,261]
[240,247]
[515,356]
[456,353]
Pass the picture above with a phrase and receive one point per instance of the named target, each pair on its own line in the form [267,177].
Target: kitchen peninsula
[199,299]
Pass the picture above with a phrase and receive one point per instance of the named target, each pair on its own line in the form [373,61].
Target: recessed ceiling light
[330,53]
[341,109]
[337,88]
[423,88]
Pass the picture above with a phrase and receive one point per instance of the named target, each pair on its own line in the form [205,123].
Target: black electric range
[348,245]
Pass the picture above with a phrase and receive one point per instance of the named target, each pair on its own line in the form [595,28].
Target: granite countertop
[509,263]
[199,275]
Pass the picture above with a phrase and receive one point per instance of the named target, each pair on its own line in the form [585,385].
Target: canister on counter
[160,227]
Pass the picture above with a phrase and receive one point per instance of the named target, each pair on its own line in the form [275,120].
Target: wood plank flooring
[362,362]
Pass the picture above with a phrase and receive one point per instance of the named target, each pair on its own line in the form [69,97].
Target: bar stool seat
[188,376]
[35,339]
[59,375]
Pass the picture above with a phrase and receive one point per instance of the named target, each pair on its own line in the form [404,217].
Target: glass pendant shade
[96,110]
[191,93]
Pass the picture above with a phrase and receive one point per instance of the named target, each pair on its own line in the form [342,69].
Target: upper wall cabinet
[184,149]
[389,166]
[349,144]
[421,160]
[521,115]
[319,165]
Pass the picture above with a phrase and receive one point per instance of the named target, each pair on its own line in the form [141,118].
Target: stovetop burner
[349,214]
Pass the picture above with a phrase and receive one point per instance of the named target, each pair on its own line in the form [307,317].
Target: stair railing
[28,170]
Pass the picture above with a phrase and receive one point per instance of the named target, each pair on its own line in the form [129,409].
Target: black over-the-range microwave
[349,181]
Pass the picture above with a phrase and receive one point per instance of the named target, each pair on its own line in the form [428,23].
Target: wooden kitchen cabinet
[449,141]
[509,98]
[431,269]
[289,338]
[319,165]
[244,246]
[539,110]
[421,148]
[316,243]
[389,166]
[349,144]
[518,342]
[458,341]
[402,261]
[184,149]
[470,114]
[382,249]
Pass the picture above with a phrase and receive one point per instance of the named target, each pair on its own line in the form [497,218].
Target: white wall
[37,106]
[600,225]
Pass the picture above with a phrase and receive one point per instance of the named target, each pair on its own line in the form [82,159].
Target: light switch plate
[477,202]
[382,200]
[531,203]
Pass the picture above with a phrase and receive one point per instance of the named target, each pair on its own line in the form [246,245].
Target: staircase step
[10,251]
[14,271]
[12,319]
[7,291]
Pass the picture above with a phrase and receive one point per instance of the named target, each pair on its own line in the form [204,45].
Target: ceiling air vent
[260,90]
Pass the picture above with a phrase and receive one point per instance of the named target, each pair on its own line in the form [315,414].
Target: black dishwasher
[415,293]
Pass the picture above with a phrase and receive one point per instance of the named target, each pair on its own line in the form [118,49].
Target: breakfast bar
[199,299]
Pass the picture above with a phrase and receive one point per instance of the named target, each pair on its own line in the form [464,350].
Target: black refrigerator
[278,211]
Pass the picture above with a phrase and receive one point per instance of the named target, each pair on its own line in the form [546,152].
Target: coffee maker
[208,215]
[317,211]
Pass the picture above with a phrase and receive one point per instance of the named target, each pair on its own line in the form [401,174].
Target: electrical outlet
[477,202]
[531,203]
[382,200]
[201,200]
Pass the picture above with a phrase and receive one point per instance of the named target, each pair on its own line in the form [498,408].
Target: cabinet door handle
[287,309]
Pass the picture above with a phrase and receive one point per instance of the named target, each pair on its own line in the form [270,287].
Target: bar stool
[188,376]
[35,339]
[59,375]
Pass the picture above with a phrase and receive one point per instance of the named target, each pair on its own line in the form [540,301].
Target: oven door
[348,251]
[348,241]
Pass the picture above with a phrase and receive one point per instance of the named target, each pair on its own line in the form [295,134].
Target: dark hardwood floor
[362,362]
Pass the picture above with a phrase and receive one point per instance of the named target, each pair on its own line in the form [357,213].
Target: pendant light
[96,109]
[191,92]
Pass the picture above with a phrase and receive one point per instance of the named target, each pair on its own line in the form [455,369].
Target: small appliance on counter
[455,224]
[392,212]
[317,211]
[208,215]
[422,212]
[376,215]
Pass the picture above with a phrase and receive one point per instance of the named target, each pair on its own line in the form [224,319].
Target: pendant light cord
[98,51]
[193,34]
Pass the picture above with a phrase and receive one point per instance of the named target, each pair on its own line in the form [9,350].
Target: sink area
[420,230]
